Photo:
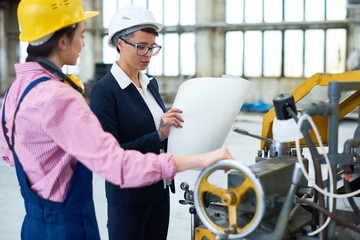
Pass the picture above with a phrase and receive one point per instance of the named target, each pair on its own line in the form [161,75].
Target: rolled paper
[210,107]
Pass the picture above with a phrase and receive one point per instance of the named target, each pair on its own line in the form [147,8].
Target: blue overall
[74,218]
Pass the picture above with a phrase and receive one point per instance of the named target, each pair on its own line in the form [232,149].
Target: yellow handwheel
[250,188]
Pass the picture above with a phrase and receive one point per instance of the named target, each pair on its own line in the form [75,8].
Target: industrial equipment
[275,198]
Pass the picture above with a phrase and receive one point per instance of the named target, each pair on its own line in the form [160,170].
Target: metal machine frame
[230,214]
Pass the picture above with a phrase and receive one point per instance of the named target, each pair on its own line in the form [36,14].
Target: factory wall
[210,50]
[9,44]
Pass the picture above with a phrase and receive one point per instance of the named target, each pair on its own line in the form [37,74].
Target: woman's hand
[183,163]
[168,119]
[212,157]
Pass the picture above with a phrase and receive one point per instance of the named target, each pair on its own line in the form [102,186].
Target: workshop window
[177,56]
[293,53]
[171,54]
[335,50]
[155,68]
[252,53]
[314,52]
[272,53]
[263,38]
[187,54]
[234,53]
[293,10]
[252,13]
[22,50]
[285,38]
[273,11]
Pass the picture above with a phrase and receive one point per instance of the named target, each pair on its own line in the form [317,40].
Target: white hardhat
[130,19]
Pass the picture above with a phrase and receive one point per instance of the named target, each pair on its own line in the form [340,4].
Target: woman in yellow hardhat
[54,140]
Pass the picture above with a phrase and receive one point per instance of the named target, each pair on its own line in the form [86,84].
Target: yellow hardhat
[39,18]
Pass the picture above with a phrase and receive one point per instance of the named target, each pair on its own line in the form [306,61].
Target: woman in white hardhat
[54,140]
[129,106]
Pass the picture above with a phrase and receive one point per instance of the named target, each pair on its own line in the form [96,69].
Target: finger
[172,116]
[175,123]
[175,110]
[172,122]
[179,117]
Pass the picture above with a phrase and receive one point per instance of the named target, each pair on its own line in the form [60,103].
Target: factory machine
[277,197]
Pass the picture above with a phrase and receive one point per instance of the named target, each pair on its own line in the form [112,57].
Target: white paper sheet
[209,106]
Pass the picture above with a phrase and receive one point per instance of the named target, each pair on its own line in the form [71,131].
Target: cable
[300,160]
[329,214]
[328,194]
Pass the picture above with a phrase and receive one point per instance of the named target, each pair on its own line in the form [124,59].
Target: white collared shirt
[124,81]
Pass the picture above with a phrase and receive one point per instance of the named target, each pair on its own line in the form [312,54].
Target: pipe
[333,216]
[317,168]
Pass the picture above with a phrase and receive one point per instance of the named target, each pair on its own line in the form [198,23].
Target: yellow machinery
[254,204]
[315,89]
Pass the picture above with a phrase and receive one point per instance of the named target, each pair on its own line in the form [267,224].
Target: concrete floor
[243,148]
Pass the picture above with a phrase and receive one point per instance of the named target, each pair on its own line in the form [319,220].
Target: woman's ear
[62,42]
[120,44]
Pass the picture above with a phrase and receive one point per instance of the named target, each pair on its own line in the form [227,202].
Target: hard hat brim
[89,14]
[158,25]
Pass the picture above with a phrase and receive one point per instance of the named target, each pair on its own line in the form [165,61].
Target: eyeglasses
[141,50]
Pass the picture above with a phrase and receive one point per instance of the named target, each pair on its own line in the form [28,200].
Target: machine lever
[244,132]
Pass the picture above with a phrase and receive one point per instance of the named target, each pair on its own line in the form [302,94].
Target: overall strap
[28,88]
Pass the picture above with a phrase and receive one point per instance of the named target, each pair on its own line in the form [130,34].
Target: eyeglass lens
[142,50]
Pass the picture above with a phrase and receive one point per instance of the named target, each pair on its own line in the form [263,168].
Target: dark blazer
[124,114]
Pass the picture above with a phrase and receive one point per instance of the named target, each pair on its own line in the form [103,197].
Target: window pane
[171,12]
[109,54]
[187,54]
[156,65]
[109,9]
[293,47]
[171,54]
[294,10]
[273,10]
[234,11]
[156,10]
[141,3]
[335,50]
[253,11]
[272,53]
[336,9]
[314,10]
[72,69]
[234,53]
[22,51]
[252,56]
[314,52]
[187,11]
[122,3]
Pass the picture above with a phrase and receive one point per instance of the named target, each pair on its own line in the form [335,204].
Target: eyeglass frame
[136,46]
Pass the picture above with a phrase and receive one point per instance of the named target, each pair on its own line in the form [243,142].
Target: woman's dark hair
[45,49]
[148,30]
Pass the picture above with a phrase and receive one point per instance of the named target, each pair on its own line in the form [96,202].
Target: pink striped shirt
[55,128]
